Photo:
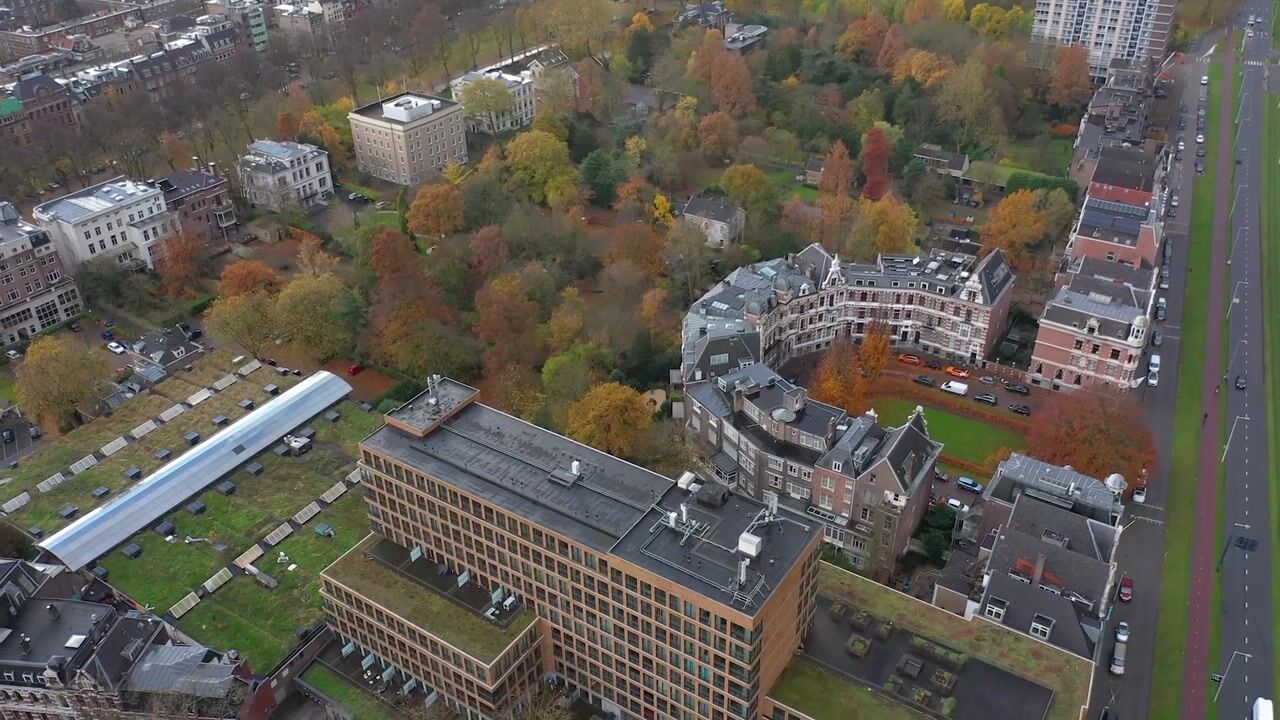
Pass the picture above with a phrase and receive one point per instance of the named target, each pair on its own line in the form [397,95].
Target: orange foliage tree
[892,49]
[838,379]
[640,246]
[1014,226]
[837,171]
[862,39]
[611,417]
[876,348]
[436,210]
[731,85]
[922,11]
[404,302]
[488,251]
[718,134]
[287,126]
[507,320]
[1095,433]
[180,264]
[875,164]
[248,276]
[1070,87]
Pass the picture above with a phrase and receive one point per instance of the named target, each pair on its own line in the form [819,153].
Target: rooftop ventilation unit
[750,545]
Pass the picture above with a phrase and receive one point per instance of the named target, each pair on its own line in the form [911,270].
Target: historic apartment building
[949,304]
[120,219]
[868,485]
[36,292]
[408,139]
[33,105]
[202,201]
[284,176]
[520,85]
[650,598]
[1136,30]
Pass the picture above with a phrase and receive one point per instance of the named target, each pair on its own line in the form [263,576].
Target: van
[969,484]
[957,505]
[1154,363]
[1117,659]
[955,388]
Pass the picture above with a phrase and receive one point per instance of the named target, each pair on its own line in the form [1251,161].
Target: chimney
[25,644]
[1039,572]
[53,610]
[575,467]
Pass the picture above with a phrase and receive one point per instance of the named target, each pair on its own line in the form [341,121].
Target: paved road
[1245,569]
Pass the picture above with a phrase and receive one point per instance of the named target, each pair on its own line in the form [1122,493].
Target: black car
[1200,151]
[925,380]
[1182,123]
[1020,409]
[987,398]
[1240,385]
[1156,338]
[1018,389]
[74,326]
[933,364]
[195,334]
[7,435]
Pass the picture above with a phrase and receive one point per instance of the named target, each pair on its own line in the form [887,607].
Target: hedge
[1027,181]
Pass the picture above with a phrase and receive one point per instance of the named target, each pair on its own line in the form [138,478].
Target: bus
[1262,709]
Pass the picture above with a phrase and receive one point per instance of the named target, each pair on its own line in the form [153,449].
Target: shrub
[948,706]
[860,619]
[885,630]
[944,679]
[939,652]
[838,610]
[920,696]
[858,646]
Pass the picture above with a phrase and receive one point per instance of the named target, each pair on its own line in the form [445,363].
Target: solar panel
[83,464]
[248,368]
[143,429]
[219,579]
[225,382]
[16,503]
[307,513]
[199,397]
[334,492]
[249,556]
[280,533]
[51,482]
[1117,208]
[172,413]
[114,447]
[183,606]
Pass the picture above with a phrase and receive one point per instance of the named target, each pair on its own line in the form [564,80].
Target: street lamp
[1235,298]
[1223,679]
[1234,199]
[1230,537]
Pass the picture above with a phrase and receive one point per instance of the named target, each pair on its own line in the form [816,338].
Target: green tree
[246,319]
[487,98]
[539,160]
[55,378]
[965,102]
[602,171]
[310,311]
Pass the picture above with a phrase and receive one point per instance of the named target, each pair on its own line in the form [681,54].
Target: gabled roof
[718,209]
[28,88]
[181,669]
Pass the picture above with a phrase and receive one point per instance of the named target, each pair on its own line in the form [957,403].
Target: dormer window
[995,609]
[1041,626]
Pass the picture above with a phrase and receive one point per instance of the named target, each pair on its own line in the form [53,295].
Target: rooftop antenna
[684,512]
[743,564]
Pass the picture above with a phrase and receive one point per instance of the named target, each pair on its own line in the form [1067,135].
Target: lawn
[785,182]
[7,391]
[1271,260]
[1176,571]
[822,695]
[963,438]
[349,697]
[1067,675]
[1045,154]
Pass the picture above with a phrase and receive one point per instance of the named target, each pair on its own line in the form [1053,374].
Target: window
[836,465]
[866,513]
[828,484]
[775,463]
[1041,626]
[1078,344]
[995,609]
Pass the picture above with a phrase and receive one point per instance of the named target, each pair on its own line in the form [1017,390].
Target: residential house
[869,485]
[120,219]
[521,86]
[705,14]
[202,200]
[742,39]
[1116,231]
[943,162]
[409,138]
[281,176]
[166,347]
[813,171]
[718,219]
[36,292]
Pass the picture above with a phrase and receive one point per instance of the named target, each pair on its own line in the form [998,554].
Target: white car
[1153,378]
[1122,632]
[1140,494]
[115,347]
[1200,139]
[1204,79]
[12,354]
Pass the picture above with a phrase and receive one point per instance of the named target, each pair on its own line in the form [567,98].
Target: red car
[1126,588]
[355,369]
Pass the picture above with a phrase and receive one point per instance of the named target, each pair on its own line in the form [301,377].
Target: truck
[1262,709]
[955,388]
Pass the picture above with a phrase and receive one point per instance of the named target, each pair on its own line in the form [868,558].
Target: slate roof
[181,183]
[1115,306]
[952,160]
[181,669]
[718,209]
[1126,167]
[165,347]
[1060,486]
[28,88]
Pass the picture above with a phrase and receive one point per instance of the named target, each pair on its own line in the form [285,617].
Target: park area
[242,614]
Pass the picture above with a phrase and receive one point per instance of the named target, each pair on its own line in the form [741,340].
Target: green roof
[424,607]
[9,106]
[822,695]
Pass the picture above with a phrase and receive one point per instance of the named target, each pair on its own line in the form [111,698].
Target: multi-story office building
[1095,326]
[66,651]
[120,219]
[408,139]
[869,485]
[202,201]
[950,304]
[1126,30]
[282,176]
[523,101]
[35,291]
[649,597]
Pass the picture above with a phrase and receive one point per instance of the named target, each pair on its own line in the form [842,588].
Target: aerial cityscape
[639,359]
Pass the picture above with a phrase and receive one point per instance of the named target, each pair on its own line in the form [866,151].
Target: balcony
[224,215]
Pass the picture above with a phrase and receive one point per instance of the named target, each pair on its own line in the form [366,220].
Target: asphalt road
[1141,550]
[1244,569]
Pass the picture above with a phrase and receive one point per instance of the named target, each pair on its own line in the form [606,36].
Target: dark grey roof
[181,669]
[718,209]
[1072,631]
[909,451]
[517,465]
[740,348]
[165,347]
[1114,306]
[1061,486]
[1126,168]
[1112,221]
[181,183]
[29,87]
[52,635]
[122,646]
[814,165]
[1079,534]
[953,160]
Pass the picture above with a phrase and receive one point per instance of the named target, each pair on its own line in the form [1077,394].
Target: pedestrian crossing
[1254,63]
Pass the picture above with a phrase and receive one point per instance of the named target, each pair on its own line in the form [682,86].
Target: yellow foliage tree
[838,380]
[1014,225]
[661,210]
[922,66]
[611,417]
[55,378]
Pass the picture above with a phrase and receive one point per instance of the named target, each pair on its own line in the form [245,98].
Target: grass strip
[1271,300]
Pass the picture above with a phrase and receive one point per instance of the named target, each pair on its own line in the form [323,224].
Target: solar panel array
[225,381]
[219,579]
[114,447]
[334,492]
[199,397]
[144,429]
[355,476]
[16,503]
[247,557]
[280,533]
[306,513]
[51,482]
[1101,218]
[172,413]
[83,464]
[183,606]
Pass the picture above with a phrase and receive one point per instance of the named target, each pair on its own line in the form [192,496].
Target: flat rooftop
[368,568]
[50,635]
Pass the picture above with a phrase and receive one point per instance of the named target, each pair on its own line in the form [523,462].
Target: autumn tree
[876,348]
[837,171]
[1014,225]
[892,49]
[436,210]
[247,319]
[1095,433]
[882,226]
[875,164]
[309,311]
[954,10]
[745,184]
[1071,87]
[838,379]
[179,265]
[248,276]
[861,41]
[703,61]
[965,102]
[55,378]
[286,126]
[313,259]
[718,134]
[864,111]
[539,161]
[564,328]
[611,417]
[177,151]
[515,390]
[922,66]
[487,98]
[407,315]
[919,11]
[731,85]
[507,320]
[488,251]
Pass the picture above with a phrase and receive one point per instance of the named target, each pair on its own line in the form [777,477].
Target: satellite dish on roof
[783,415]
[1116,483]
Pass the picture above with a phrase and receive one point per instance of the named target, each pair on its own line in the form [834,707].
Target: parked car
[1156,338]
[1200,151]
[1017,389]
[987,398]
[1020,409]
[957,505]
[1117,658]
[955,387]
[1153,378]
[355,369]
[382,205]
[934,500]
[1126,588]
[1122,632]
[74,326]
[107,335]
[12,354]
[115,347]
[1204,79]
[7,435]
[933,364]
[1161,305]
[1199,167]
[908,359]
[969,484]
[926,380]
[957,372]
[1140,494]
[940,476]
[987,380]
